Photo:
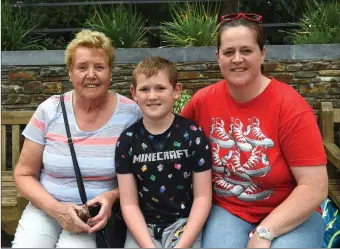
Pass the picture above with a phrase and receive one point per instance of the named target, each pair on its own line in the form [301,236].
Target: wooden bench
[328,117]
[12,204]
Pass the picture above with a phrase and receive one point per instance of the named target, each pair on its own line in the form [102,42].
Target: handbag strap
[80,183]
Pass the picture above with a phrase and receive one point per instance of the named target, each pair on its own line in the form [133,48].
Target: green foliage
[15,30]
[72,16]
[181,102]
[319,24]
[192,25]
[126,29]
[53,43]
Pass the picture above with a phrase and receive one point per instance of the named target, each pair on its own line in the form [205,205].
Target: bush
[126,29]
[15,30]
[181,102]
[319,24]
[192,25]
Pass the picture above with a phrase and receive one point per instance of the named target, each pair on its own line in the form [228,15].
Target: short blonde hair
[90,39]
[150,66]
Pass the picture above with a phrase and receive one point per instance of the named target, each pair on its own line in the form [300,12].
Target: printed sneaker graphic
[236,180]
[235,132]
[234,164]
[219,135]
[223,188]
[218,164]
[254,135]
[254,193]
[257,165]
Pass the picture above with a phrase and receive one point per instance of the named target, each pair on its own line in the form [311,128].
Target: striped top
[95,150]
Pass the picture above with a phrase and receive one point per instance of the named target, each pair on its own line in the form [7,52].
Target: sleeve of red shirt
[301,141]
[189,110]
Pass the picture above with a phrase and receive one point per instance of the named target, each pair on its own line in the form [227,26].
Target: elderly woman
[45,174]
[269,174]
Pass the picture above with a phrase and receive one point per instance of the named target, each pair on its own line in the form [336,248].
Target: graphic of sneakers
[255,136]
[254,193]
[233,163]
[236,180]
[219,135]
[217,163]
[235,132]
[223,188]
[257,164]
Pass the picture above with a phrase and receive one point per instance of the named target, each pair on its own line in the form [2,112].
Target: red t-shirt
[254,144]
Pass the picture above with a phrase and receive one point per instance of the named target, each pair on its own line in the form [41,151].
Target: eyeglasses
[248,16]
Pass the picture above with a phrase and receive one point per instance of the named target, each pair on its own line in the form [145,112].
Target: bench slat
[15,145]
[9,201]
[336,115]
[16,117]
[3,148]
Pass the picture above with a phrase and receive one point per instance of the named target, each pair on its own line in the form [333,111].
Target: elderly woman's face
[90,72]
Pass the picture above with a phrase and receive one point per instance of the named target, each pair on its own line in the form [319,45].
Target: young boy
[163,163]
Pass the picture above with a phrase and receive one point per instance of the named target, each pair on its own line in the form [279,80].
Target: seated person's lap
[223,229]
[37,229]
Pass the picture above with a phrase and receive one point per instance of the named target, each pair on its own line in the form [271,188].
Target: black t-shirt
[163,166]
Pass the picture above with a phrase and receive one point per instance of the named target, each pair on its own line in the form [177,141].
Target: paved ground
[6,239]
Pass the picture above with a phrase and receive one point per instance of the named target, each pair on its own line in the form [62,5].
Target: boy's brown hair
[150,66]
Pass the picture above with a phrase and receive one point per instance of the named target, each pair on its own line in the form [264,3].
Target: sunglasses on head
[248,16]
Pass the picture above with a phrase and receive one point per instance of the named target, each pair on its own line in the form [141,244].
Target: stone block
[328,79]
[274,67]
[33,87]
[190,75]
[316,66]
[22,75]
[52,88]
[284,77]
[193,67]
[15,99]
[53,71]
[305,74]
[302,81]
[294,67]
[329,72]
[39,98]
[11,89]
[335,65]
[318,89]
[213,67]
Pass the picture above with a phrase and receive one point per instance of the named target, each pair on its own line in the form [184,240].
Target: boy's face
[155,95]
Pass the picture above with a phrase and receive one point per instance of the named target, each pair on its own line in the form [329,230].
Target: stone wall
[30,77]
[24,87]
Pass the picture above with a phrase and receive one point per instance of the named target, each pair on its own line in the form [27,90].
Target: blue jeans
[224,230]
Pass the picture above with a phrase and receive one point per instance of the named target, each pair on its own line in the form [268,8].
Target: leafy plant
[15,29]
[192,25]
[126,29]
[319,24]
[181,102]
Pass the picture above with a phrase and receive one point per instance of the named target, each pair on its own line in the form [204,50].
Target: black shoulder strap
[73,153]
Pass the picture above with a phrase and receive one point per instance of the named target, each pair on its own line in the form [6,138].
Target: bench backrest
[12,120]
[328,117]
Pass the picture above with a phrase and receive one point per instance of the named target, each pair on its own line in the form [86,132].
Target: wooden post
[327,122]
[3,148]
[15,145]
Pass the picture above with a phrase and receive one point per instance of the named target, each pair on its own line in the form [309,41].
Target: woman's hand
[69,220]
[105,200]
[256,242]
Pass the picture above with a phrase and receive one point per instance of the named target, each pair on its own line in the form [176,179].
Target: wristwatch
[263,233]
